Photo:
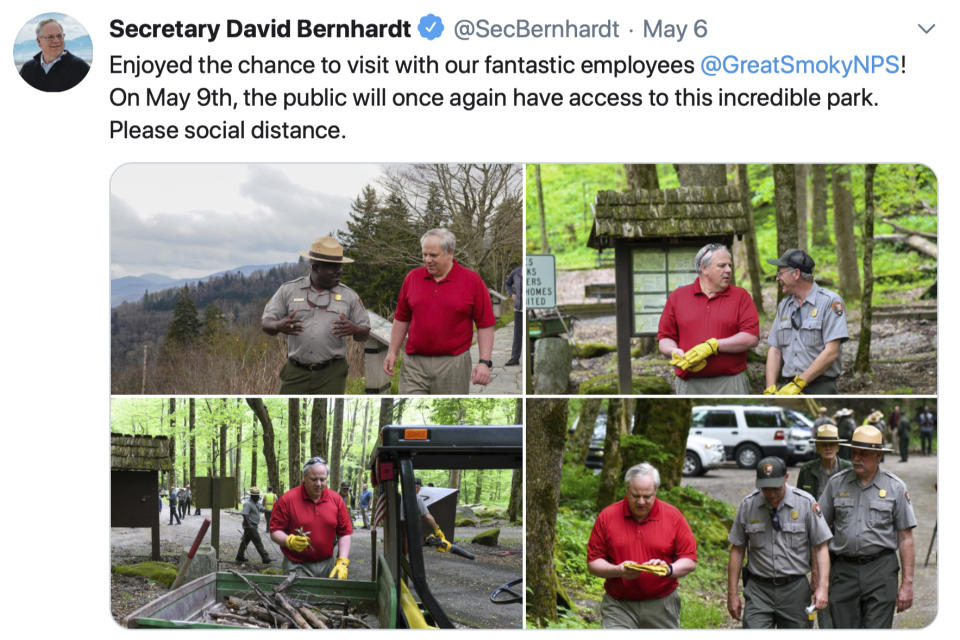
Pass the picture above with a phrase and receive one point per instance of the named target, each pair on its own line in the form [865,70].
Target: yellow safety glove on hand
[297,543]
[339,570]
[656,569]
[695,358]
[771,390]
[793,388]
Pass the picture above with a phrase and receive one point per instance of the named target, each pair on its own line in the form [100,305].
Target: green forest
[206,337]
[265,441]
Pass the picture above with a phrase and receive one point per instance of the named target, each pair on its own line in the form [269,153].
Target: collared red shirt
[326,520]
[778,554]
[442,314]
[617,536]
[690,317]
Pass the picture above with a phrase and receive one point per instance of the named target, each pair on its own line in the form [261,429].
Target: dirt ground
[731,484]
[902,351]
[461,586]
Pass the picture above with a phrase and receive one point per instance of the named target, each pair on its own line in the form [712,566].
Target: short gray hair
[643,469]
[313,462]
[448,241]
[806,277]
[705,255]
[43,23]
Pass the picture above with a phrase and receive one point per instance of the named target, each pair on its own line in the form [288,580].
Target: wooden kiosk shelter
[135,462]
[655,235]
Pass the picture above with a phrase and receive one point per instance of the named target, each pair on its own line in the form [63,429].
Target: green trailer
[182,608]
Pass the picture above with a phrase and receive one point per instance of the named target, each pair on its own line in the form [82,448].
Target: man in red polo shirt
[438,306]
[641,545]
[707,328]
[307,521]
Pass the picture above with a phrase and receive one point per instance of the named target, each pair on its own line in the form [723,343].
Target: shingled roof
[666,213]
[140,453]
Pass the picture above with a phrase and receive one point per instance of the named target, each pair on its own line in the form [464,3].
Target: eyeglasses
[312,461]
[775,520]
[796,320]
[56,36]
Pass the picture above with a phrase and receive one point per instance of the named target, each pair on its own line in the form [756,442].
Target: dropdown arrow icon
[926,29]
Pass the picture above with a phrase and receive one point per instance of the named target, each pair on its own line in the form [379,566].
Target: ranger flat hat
[254,491]
[828,433]
[771,473]
[795,259]
[875,417]
[867,437]
[326,249]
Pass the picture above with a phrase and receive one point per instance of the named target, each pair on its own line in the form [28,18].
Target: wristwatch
[489,363]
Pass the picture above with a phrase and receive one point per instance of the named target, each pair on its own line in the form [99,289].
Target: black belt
[313,367]
[835,557]
[777,582]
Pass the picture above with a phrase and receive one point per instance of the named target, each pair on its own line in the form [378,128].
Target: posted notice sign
[541,282]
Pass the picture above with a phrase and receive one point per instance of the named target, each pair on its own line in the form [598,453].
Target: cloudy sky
[189,220]
[71,28]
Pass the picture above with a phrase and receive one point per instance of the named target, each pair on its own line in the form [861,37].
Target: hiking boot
[267,560]
[512,362]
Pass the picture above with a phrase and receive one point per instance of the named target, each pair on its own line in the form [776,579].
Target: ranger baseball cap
[771,473]
[795,259]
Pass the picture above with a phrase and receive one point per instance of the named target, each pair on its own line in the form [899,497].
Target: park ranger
[251,518]
[784,531]
[318,313]
[871,516]
[807,333]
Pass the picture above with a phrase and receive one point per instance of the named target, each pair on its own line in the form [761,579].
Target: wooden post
[622,271]
[215,514]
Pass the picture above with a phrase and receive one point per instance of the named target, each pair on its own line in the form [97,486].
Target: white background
[58,163]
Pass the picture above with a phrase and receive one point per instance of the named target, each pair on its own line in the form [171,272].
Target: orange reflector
[414,434]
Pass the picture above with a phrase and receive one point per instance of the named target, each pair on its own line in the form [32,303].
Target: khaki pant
[767,606]
[735,385]
[319,569]
[656,613]
[331,380]
[437,375]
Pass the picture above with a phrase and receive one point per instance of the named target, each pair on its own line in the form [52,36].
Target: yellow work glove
[297,543]
[695,358]
[444,543]
[339,571]
[656,569]
[771,390]
[793,388]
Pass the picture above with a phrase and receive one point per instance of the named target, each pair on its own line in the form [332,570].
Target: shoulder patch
[837,307]
[816,510]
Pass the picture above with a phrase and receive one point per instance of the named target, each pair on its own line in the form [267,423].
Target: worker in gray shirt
[251,518]
[807,333]
[784,531]
[317,313]
[870,512]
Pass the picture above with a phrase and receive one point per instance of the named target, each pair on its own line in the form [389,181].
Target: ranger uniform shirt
[813,477]
[251,513]
[778,554]
[822,320]
[317,310]
[866,520]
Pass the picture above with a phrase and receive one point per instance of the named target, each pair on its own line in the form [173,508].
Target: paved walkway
[503,380]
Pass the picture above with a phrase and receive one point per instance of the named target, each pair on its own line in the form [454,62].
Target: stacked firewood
[281,610]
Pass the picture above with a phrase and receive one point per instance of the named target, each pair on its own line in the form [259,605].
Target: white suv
[748,432]
[702,454]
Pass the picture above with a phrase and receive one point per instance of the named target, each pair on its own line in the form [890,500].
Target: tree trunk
[318,428]
[667,425]
[516,477]
[579,444]
[236,463]
[544,243]
[641,176]
[803,171]
[546,434]
[847,270]
[222,443]
[293,440]
[269,452]
[253,453]
[708,175]
[785,194]
[193,440]
[617,425]
[479,488]
[173,432]
[862,362]
[821,233]
[750,238]
[336,447]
